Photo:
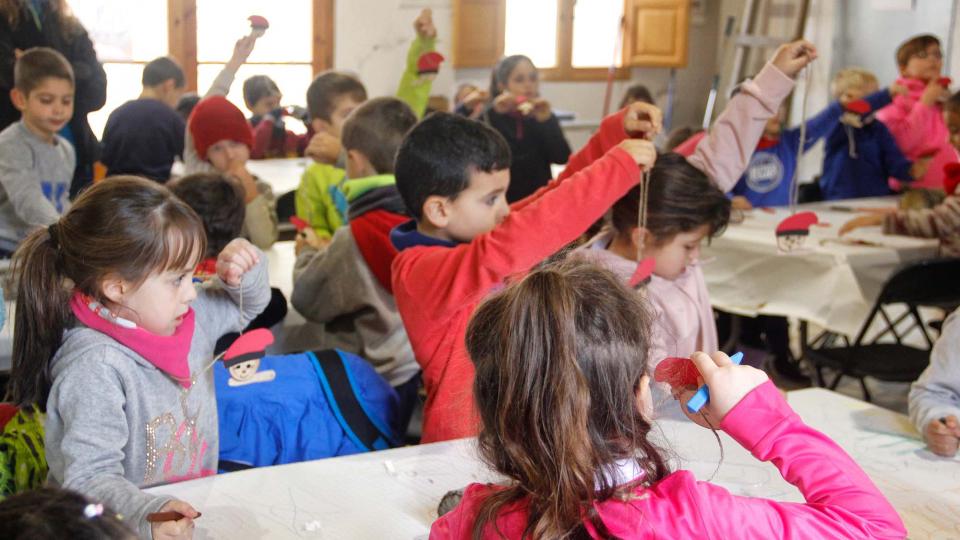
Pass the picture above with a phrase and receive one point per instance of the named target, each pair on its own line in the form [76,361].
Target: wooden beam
[323,35]
[182,37]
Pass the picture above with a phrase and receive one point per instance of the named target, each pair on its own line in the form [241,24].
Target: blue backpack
[299,407]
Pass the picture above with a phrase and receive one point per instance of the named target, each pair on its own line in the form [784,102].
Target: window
[126,36]
[566,39]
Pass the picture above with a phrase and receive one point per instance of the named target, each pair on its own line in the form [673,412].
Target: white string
[642,212]
[795,187]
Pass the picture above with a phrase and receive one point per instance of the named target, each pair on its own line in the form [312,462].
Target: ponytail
[43,310]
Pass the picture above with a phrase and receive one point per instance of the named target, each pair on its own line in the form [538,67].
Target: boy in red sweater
[465,241]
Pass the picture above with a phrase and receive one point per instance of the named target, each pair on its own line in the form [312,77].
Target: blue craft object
[702,397]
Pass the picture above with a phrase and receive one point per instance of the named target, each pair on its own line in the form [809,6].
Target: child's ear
[113,288]
[19,100]
[436,211]
[640,237]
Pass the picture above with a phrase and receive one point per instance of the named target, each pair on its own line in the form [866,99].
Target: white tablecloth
[282,174]
[827,283]
[394,494]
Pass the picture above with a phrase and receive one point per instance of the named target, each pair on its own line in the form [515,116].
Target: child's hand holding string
[643,119]
[790,58]
[181,529]
[642,151]
[728,383]
[238,258]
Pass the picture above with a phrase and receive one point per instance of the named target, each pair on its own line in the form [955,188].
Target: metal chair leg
[866,393]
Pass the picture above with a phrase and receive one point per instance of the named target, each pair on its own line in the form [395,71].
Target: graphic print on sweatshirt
[765,172]
[172,448]
[57,193]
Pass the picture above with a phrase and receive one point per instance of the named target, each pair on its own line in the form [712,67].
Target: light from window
[596,27]
[122,30]
[220,23]
[531,29]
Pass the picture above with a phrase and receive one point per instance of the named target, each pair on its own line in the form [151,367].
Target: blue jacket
[768,178]
[877,157]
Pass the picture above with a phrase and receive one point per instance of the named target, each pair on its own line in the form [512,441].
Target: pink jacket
[724,154]
[842,502]
[683,319]
[919,130]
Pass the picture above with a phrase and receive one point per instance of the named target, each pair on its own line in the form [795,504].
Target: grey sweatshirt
[115,423]
[34,182]
[335,287]
[937,392]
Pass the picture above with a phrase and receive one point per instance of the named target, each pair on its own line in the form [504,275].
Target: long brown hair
[558,358]
[12,10]
[124,226]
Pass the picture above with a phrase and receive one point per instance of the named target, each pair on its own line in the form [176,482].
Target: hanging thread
[795,187]
[642,213]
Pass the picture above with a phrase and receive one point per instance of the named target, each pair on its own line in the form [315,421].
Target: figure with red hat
[860,153]
[242,359]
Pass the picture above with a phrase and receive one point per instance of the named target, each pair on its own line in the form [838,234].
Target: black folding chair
[881,352]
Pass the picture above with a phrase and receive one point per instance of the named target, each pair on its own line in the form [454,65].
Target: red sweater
[437,288]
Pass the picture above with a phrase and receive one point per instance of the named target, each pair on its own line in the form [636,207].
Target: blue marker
[703,393]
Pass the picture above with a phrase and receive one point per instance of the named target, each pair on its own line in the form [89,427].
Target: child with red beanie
[221,136]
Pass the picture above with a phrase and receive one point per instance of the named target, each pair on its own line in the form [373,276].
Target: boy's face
[952,119]
[925,65]
[343,106]
[46,108]
[854,92]
[227,155]
[477,209]
[266,104]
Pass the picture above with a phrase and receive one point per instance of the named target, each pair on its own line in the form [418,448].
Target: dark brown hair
[125,226]
[70,27]
[37,64]
[501,73]
[160,70]
[376,130]
[219,201]
[327,88]
[914,45]
[953,103]
[559,357]
[258,87]
[636,92]
[681,198]
[51,514]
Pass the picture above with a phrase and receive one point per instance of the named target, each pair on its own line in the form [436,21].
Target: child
[935,396]
[105,298]
[331,97]
[465,240]
[218,200]
[860,154]
[222,136]
[145,135]
[915,119]
[564,397]
[684,207]
[528,124]
[52,514]
[271,139]
[36,164]
[636,92]
[469,101]
[941,221]
[346,287]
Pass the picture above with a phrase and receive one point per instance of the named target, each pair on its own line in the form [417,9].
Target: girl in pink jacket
[916,119]
[563,394]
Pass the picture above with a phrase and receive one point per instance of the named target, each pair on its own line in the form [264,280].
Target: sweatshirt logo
[56,193]
[765,172]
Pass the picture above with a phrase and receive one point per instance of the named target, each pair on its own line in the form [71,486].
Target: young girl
[107,344]
[51,514]
[527,123]
[563,393]
[683,208]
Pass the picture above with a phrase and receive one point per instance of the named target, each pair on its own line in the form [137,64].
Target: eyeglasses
[925,54]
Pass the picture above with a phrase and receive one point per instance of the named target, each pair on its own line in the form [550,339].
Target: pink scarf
[167,353]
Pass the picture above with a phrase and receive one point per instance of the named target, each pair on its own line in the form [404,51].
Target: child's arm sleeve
[879,99]
[841,500]
[552,140]
[217,305]
[895,164]
[414,90]
[941,221]
[937,392]
[95,431]
[326,285]
[820,125]
[260,220]
[313,199]
[19,180]
[725,152]
[911,125]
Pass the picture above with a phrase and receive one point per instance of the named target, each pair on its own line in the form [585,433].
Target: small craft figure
[792,232]
[258,25]
[242,359]
[428,65]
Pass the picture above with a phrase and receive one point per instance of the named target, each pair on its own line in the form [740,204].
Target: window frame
[564,71]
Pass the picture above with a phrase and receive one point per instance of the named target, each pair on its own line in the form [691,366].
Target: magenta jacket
[842,502]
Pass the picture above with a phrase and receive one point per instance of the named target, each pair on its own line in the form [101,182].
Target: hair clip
[92,510]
